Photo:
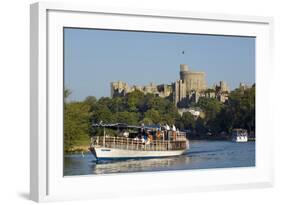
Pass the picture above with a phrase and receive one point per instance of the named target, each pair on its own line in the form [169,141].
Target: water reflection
[139,165]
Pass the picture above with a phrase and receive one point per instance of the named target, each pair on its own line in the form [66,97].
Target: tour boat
[239,135]
[136,142]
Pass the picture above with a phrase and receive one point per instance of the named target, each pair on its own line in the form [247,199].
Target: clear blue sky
[94,58]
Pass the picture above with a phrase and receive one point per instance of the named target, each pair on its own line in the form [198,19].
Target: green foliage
[146,121]
[154,115]
[132,100]
[90,100]
[130,118]
[101,112]
[241,108]
[117,104]
[188,121]
[237,112]
[76,124]
[66,93]
[211,107]
[136,108]
[210,90]
[200,126]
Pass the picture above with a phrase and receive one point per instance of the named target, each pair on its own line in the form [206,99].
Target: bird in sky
[182,52]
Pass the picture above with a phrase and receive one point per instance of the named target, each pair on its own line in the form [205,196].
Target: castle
[189,88]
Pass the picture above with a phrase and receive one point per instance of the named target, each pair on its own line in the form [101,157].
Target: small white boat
[239,135]
[135,146]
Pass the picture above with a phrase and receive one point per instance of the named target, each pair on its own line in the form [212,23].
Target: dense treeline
[237,112]
[136,108]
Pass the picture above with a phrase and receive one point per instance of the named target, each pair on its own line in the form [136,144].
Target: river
[201,155]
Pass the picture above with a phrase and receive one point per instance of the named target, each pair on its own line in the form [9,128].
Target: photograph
[148,101]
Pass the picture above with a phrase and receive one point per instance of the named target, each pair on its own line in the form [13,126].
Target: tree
[153,115]
[241,107]
[132,100]
[238,112]
[90,100]
[76,124]
[129,118]
[188,121]
[66,93]
[117,104]
[200,126]
[211,108]
[146,121]
[100,112]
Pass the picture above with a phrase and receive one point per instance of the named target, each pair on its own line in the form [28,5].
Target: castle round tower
[193,80]
[183,71]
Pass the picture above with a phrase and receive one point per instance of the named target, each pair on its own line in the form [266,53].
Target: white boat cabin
[239,135]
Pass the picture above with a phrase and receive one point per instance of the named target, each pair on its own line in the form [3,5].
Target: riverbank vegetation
[136,108]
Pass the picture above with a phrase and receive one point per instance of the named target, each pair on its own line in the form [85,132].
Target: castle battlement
[189,88]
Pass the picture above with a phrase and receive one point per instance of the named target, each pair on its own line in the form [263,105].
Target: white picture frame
[46,139]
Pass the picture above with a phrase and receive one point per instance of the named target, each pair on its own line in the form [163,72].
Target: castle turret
[223,86]
[183,71]
[193,80]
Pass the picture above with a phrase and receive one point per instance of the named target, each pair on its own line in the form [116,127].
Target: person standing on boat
[144,135]
[142,130]
[158,134]
[168,127]
[174,132]
[166,130]
[142,140]
[174,128]
[126,134]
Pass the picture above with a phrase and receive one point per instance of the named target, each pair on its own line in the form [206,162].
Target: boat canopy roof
[124,126]
[239,129]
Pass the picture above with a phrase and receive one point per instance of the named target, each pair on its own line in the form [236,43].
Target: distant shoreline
[77,149]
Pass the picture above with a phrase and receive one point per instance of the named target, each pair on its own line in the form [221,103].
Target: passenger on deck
[143,140]
[166,131]
[126,134]
[174,132]
[167,127]
[144,137]
[149,138]
[178,131]
[158,135]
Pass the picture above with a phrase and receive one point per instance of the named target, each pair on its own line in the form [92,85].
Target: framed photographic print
[147,101]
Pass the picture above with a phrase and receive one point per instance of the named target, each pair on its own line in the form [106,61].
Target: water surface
[202,155]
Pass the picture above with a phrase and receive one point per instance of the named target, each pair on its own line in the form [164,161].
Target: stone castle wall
[193,80]
[189,88]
